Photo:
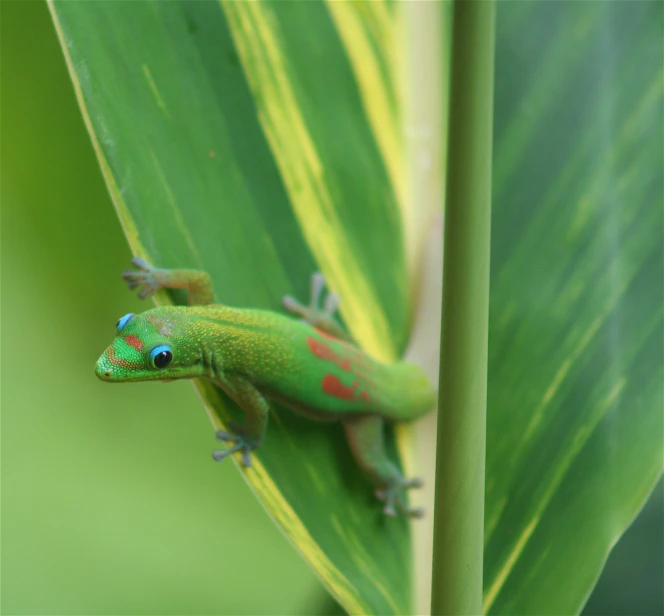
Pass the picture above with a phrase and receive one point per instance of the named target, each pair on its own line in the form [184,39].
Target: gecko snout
[103,369]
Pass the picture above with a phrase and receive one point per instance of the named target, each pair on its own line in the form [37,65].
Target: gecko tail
[408,393]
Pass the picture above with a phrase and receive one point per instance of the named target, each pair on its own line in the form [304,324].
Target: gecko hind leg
[320,319]
[366,440]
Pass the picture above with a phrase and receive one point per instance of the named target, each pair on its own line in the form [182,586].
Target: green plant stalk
[459,504]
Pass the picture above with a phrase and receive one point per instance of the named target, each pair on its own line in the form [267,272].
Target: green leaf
[575,421]
[225,150]
[261,143]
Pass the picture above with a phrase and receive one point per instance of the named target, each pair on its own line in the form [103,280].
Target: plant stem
[459,505]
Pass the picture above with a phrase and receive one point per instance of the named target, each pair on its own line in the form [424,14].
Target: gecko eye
[123,321]
[161,356]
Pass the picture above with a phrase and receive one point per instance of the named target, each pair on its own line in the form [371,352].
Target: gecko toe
[332,302]
[317,285]
[219,455]
[222,454]
[293,306]
[415,482]
[415,512]
[141,264]
[226,436]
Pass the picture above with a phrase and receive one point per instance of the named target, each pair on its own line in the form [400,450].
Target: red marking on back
[324,352]
[134,341]
[334,387]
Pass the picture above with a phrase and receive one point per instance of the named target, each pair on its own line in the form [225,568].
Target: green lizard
[310,365]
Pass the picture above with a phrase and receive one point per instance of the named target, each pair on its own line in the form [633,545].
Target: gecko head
[151,346]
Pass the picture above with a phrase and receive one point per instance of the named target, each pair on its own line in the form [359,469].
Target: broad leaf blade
[225,150]
[575,370]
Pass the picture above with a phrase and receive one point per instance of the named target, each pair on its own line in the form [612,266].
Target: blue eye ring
[161,356]
[123,321]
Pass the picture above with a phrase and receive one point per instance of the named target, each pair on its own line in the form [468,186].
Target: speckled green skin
[255,355]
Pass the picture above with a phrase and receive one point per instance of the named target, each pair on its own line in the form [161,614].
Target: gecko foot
[241,444]
[144,277]
[321,319]
[313,312]
[394,495]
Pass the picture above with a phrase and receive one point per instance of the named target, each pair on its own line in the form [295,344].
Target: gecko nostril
[107,374]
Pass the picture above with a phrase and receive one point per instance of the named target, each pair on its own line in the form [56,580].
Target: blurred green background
[110,501]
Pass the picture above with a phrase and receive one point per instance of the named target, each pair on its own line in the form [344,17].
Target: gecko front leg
[240,444]
[249,436]
[150,279]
